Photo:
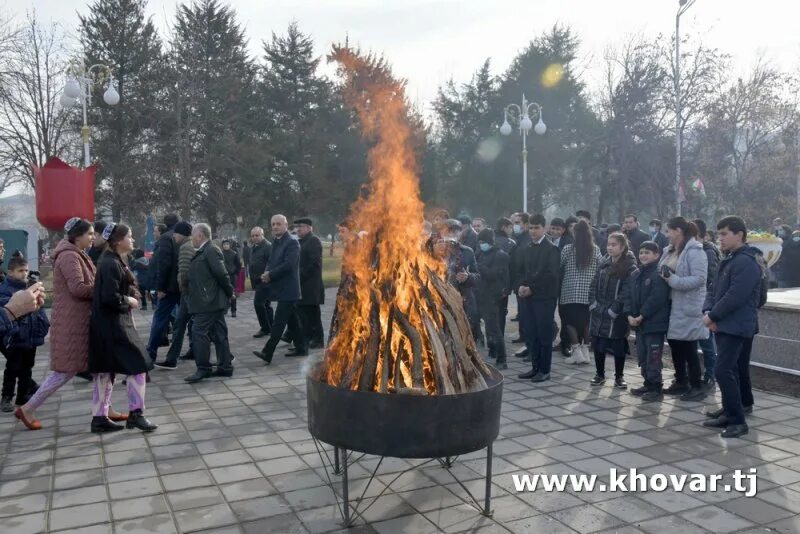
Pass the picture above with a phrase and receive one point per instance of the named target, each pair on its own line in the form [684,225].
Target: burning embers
[398,327]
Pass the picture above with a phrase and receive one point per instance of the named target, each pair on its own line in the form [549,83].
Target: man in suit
[210,293]
[166,278]
[312,290]
[282,280]
[259,257]
[538,292]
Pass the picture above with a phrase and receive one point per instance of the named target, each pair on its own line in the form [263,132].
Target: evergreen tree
[208,140]
[116,33]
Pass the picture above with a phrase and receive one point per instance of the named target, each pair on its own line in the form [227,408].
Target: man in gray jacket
[210,292]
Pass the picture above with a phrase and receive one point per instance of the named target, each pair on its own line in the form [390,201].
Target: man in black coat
[657,235]
[210,292]
[468,236]
[493,285]
[519,222]
[503,241]
[166,278]
[462,272]
[538,292]
[259,257]
[232,265]
[312,290]
[635,235]
[282,281]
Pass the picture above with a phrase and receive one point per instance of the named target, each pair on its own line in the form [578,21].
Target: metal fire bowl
[405,426]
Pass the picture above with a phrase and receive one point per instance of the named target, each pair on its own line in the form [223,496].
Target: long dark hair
[687,228]
[119,233]
[584,245]
[80,228]
[620,267]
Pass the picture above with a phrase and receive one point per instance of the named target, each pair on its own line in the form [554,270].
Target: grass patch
[332,266]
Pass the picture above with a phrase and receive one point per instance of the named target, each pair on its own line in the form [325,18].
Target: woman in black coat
[114,344]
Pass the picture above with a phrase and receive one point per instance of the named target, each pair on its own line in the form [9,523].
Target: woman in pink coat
[73,286]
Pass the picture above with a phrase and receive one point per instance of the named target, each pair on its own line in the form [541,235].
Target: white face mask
[485,247]
[653,229]
[796,239]
[517,228]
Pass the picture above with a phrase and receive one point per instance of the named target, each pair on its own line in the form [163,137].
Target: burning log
[367,379]
[416,348]
[387,351]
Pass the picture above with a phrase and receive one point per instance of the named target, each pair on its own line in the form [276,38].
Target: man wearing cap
[183,322]
[494,284]
[282,281]
[312,292]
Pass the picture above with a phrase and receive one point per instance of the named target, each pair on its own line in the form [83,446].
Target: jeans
[262,306]
[284,316]
[161,319]
[538,319]
[650,351]
[709,349]
[208,327]
[490,310]
[182,323]
[733,375]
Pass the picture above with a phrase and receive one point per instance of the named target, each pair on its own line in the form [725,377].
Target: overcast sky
[430,41]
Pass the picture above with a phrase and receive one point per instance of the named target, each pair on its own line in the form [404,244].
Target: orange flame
[387,270]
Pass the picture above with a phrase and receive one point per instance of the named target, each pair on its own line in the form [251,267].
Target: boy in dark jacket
[493,285]
[20,347]
[732,314]
[647,308]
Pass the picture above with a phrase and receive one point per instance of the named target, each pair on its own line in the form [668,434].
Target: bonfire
[398,326]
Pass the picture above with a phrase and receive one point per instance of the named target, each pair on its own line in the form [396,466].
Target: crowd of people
[672,283]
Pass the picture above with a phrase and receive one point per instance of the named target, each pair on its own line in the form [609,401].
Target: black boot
[137,420]
[677,388]
[638,392]
[102,424]
[654,393]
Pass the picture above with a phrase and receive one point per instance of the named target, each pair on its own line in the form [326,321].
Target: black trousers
[310,318]
[684,354]
[732,371]
[503,314]
[183,323]
[490,312]
[263,307]
[233,298]
[18,372]
[208,327]
[285,316]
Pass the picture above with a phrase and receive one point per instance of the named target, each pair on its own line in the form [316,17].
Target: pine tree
[208,142]
[116,33]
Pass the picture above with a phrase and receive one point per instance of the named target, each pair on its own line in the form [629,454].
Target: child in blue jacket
[19,348]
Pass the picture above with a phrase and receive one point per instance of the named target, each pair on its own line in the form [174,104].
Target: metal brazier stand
[436,428]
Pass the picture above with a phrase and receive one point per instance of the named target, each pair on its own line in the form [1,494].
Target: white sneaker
[576,356]
[583,351]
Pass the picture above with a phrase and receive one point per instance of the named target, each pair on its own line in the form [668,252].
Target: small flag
[699,187]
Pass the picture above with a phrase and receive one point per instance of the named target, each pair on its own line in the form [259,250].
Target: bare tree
[33,125]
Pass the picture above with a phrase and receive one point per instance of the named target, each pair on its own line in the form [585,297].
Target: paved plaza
[235,455]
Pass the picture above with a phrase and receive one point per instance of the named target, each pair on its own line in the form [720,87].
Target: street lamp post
[80,82]
[523,115]
[683,6]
